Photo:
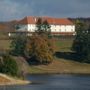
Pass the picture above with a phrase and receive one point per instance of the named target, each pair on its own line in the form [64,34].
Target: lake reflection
[54,82]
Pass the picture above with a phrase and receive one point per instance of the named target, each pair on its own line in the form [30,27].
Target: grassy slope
[62,65]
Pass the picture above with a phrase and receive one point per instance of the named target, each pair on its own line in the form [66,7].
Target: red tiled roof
[55,21]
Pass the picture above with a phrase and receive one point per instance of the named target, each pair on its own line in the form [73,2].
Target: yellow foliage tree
[40,49]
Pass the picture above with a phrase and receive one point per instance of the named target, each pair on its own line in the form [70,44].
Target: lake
[54,82]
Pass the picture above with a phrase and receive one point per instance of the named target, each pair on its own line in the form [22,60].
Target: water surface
[54,82]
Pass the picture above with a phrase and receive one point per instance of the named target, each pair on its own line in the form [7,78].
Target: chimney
[35,19]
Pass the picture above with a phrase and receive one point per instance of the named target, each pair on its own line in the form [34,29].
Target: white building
[59,26]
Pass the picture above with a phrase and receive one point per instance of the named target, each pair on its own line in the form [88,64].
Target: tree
[87,46]
[18,44]
[80,39]
[81,44]
[40,49]
[43,27]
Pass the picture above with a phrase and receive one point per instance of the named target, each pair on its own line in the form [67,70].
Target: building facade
[59,26]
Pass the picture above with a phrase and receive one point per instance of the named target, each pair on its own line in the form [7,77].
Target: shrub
[18,44]
[9,66]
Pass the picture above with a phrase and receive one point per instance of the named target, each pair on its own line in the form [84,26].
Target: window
[65,29]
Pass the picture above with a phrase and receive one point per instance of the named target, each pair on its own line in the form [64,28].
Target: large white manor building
[59,26]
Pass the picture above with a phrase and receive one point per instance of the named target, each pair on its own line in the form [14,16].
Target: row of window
[64,30]
[55,26]
[56,29]
[60,30]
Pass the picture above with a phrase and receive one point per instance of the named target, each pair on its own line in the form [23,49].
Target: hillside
[61,66]
[7,26]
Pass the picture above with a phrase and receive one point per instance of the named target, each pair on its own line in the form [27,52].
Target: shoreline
[58,73]
[12,81]
[7,80]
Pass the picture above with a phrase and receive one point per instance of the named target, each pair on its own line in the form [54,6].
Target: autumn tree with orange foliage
[40,49]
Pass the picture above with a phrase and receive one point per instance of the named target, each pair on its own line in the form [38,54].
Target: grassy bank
[61,66]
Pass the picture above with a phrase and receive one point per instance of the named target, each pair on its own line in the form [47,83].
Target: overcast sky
[17,9]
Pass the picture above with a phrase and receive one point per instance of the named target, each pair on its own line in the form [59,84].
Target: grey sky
[17,9]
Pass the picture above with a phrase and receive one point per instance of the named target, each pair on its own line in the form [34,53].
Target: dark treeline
[81,19]
[8,26]
[81,43]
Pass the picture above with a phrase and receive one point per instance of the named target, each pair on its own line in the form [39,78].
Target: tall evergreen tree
[43,27]
[80,39]
[87,46]
[81,44]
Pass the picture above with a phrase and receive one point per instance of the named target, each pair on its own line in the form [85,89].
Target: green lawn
[5,44]
[63,45]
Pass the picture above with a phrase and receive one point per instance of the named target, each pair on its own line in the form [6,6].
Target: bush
[18,44]
[9,66]
[40,49]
